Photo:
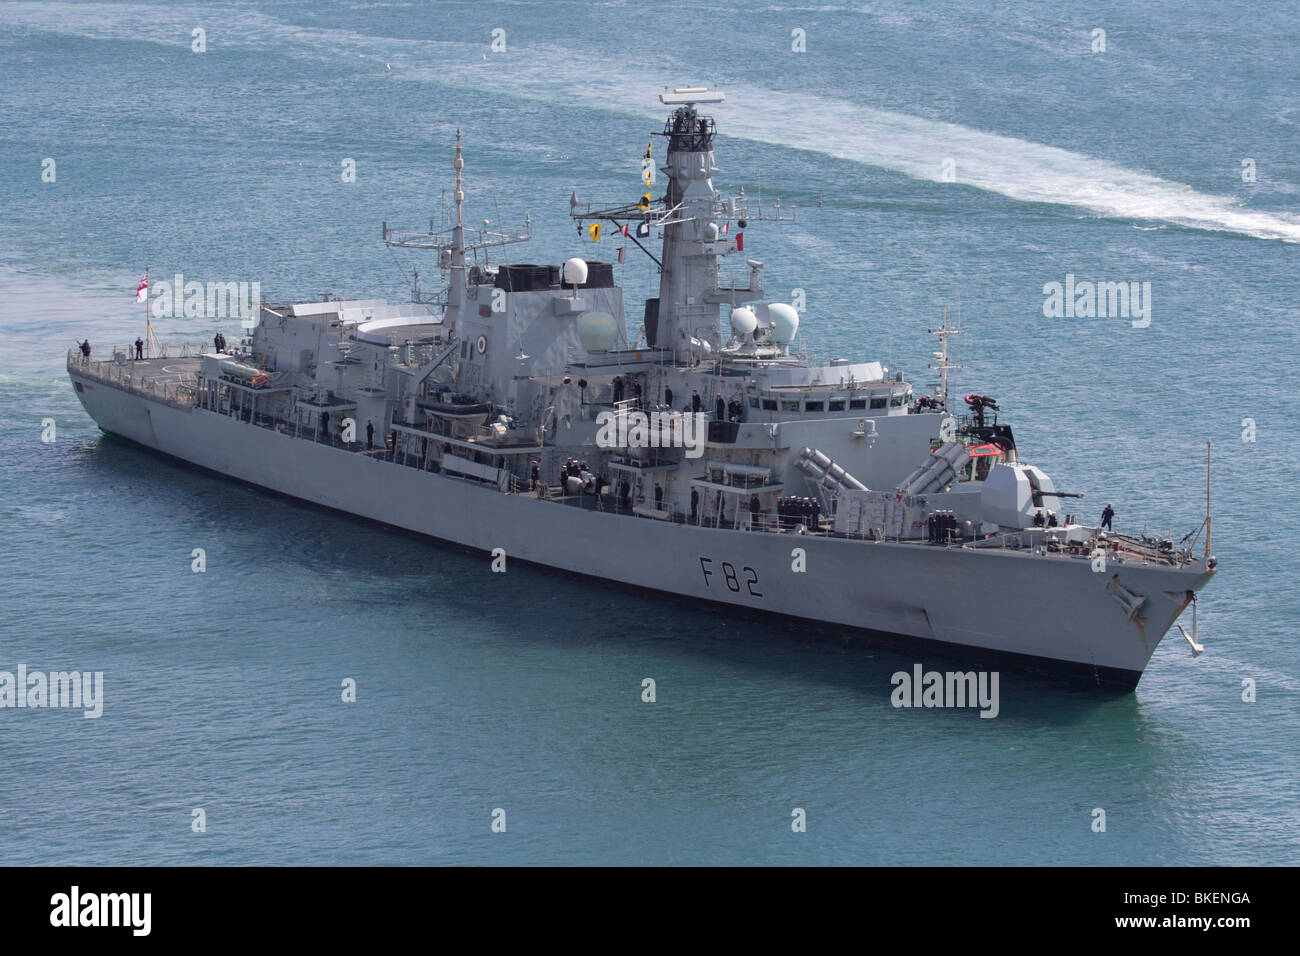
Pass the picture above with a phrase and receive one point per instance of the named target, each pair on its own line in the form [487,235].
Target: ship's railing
[120,352]
[180,393]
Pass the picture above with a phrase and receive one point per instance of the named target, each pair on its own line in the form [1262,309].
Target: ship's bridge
[886,398]
[841,387]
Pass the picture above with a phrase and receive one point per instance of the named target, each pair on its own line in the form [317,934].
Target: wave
[923,149]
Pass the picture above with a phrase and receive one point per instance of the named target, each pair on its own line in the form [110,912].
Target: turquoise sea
[954,155]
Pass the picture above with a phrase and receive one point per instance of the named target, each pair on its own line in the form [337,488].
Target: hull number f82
[747,577]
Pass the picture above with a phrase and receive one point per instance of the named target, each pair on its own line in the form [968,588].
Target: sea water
[946,155]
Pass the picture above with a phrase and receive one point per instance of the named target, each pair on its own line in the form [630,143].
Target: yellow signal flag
[644,203]
[647,148]
[594,231]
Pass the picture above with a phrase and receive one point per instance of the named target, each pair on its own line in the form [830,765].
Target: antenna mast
[456,287]
[450,244]
[943,365]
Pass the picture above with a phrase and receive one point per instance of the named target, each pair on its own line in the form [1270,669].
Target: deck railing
[121,374]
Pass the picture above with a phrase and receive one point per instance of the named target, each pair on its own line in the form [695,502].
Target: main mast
[683,321]
[691,242]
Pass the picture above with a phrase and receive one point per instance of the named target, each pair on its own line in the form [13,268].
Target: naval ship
[705,457]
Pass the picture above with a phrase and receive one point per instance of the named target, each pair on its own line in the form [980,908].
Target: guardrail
[180,394]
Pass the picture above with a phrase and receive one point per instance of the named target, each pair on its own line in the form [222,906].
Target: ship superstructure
[703,457]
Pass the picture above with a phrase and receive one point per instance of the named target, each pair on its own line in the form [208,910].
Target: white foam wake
[1016,168]
[1022,170]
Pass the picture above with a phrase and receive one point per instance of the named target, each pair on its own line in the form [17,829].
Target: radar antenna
[450,244]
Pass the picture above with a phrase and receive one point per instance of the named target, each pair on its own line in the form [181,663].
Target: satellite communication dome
[743,321]
[785,322]
[575,271]
[598,331]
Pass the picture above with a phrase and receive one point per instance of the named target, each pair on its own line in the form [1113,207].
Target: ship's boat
[457,406]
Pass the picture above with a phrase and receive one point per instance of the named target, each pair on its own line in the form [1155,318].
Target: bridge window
[836,405]
[857,404]
[878,401]
[814,406]
[788,406]
[769,404]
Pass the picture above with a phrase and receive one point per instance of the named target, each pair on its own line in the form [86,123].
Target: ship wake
[924,149]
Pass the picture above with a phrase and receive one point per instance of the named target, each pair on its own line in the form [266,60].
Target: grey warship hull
[1051,612]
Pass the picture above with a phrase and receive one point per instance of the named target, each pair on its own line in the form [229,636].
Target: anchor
[1197,649]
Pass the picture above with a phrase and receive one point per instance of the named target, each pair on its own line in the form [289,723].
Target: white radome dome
[575,271]
[785,322]
[743,321]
